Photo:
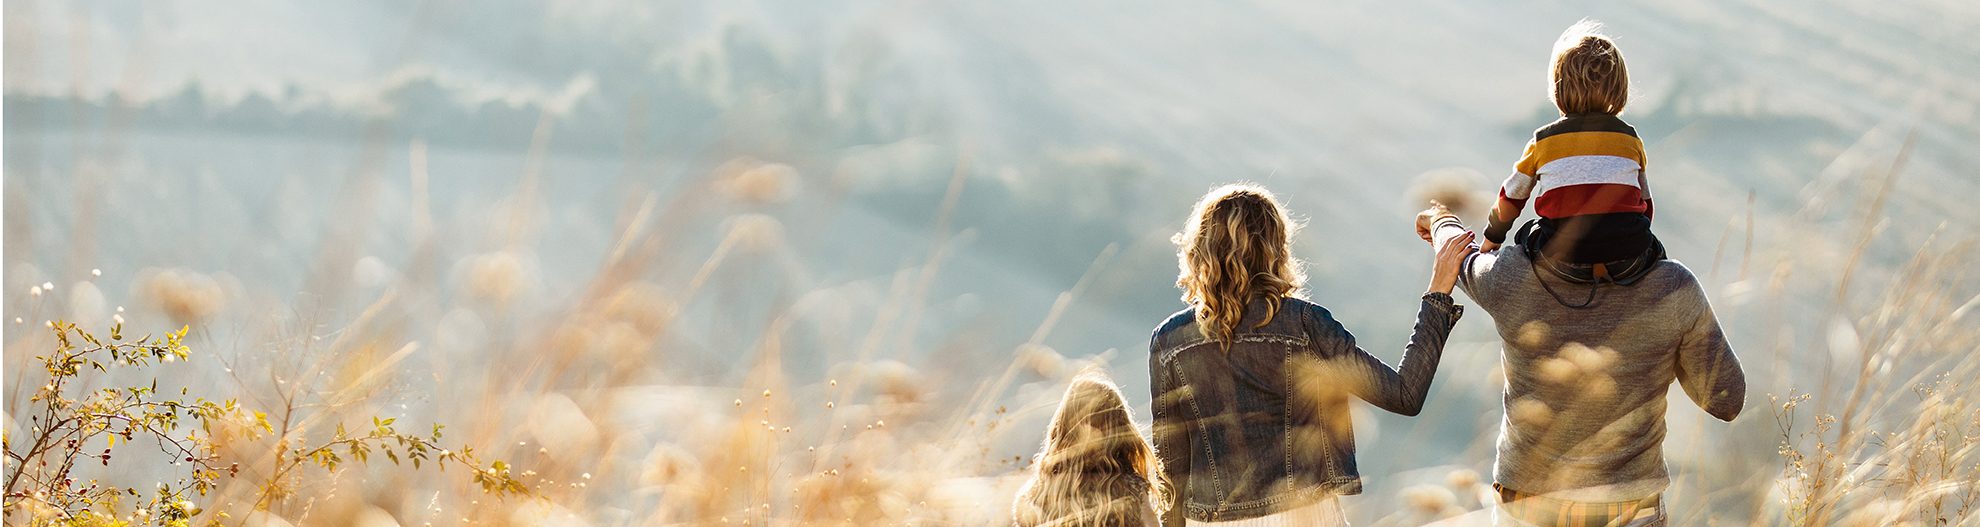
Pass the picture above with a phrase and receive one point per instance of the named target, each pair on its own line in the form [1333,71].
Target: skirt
[1325,513]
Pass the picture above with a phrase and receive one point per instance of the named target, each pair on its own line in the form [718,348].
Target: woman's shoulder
[1179,329]
[1176,321]
[1173,326]
[1305,311]
[1294,304]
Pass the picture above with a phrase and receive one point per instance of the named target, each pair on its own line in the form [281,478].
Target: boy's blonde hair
[1587,73]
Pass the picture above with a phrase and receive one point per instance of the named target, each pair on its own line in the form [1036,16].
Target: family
[1251,383]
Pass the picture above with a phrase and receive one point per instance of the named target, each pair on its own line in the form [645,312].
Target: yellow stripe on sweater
[1581,144]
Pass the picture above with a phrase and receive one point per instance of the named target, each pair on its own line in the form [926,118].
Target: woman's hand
[1450,258]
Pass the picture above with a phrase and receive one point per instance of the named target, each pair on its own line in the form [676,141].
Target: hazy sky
[1174,56]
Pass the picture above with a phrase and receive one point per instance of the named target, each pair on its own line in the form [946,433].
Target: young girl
[1095,468]
[1251,383]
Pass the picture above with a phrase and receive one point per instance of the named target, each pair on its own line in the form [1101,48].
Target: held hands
[1427,219]
[1450,257]
[1451,254]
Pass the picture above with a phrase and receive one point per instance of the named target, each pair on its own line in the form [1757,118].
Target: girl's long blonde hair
[1095,468]
[1236,247]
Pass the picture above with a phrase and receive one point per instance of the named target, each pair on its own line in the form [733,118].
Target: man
[1589,354]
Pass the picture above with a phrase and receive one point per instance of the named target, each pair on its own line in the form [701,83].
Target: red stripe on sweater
[1597,198]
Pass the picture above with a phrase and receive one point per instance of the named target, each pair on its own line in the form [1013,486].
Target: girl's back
[1095,468]
[1101,500]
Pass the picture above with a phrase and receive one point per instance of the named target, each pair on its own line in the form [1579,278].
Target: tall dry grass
[1896,439]
[583,392]
[563,393]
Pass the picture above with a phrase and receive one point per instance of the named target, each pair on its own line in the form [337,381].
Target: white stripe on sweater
[1518,186]
[1586,170]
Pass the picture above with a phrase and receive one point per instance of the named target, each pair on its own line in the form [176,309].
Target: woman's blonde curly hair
[1237,246]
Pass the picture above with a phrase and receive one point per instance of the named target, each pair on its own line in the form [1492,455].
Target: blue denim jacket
[1263,426]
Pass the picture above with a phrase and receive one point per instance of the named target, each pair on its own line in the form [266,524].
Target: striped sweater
[1580,165]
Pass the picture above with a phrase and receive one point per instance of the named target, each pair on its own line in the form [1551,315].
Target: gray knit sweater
[1585,388]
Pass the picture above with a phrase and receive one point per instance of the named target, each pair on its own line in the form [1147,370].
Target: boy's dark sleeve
[1497,224]
[1512,195]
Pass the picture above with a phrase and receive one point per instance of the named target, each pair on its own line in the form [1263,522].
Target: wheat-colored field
[761,264]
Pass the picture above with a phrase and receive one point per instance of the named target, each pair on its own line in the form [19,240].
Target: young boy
[1584,172]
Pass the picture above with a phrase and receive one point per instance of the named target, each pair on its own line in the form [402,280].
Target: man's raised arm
[1438,225]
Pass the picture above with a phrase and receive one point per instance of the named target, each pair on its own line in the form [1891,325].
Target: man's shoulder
[1676,270]
[1675,278]
[1510,256]
[1510,265]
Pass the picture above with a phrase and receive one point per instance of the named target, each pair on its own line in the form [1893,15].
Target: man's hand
[1487,246]
[1428,218]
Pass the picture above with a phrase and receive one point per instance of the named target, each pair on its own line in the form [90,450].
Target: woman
[1094,469]
[1251,382]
